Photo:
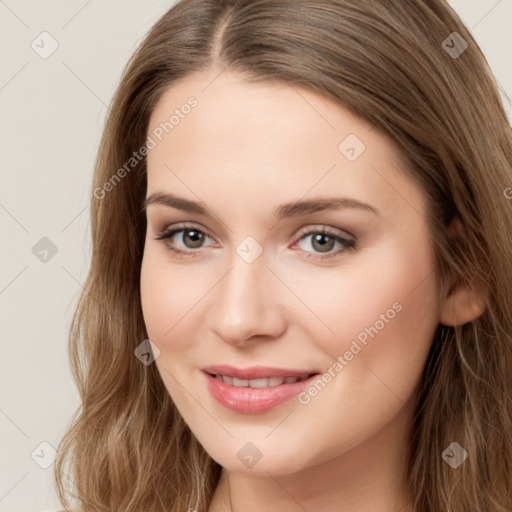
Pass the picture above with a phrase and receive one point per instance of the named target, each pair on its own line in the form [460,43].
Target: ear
[463,303]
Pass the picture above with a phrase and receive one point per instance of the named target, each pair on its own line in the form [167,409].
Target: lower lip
[254,400]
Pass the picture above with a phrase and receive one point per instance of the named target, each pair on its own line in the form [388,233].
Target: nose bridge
[243,303]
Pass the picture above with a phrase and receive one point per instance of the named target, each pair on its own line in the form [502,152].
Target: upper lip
[255,372]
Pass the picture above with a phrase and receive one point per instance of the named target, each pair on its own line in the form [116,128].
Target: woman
[301,286]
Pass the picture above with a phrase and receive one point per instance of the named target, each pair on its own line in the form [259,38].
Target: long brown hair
[403,66]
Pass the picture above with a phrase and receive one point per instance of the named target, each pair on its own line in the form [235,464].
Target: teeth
[259,383]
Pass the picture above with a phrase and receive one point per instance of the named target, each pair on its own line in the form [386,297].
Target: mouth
[257,389]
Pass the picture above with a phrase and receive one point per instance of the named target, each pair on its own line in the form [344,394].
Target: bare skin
[244,150]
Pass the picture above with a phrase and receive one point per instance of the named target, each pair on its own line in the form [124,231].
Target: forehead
[230,109]
[266,140]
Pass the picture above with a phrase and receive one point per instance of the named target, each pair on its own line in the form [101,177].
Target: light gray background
[52,115]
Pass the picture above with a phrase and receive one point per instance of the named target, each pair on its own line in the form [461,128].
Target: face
[342,287]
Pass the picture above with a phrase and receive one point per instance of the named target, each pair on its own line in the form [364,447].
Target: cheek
[173,298]
[166,296]
[384,315]
[153,297]
[377,310]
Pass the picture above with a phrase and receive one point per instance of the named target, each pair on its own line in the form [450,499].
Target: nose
[245,304]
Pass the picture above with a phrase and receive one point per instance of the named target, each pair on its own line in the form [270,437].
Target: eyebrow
[292,209]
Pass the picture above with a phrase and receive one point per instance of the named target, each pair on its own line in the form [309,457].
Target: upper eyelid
[181,226]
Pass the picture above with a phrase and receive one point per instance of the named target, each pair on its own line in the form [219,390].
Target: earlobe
[462,305]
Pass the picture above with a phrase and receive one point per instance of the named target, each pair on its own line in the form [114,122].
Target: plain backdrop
[52,114]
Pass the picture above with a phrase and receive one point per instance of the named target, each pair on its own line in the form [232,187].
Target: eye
[323,240]
[192,237]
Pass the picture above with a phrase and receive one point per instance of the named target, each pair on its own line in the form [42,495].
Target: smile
[258,394]
[259,383]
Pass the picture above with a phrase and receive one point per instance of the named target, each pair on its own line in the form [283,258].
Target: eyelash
[167,233]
